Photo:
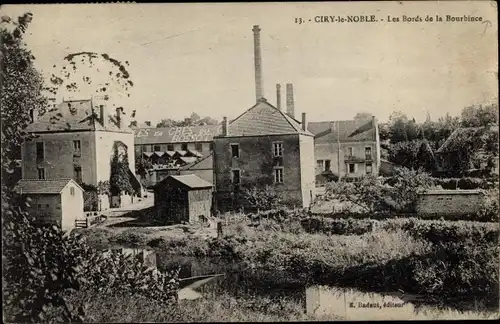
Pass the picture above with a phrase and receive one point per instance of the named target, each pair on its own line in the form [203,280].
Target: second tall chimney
[278,96]
[290,106]
[258,64]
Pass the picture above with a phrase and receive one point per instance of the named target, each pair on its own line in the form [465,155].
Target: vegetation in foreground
[224,307]
[444,259]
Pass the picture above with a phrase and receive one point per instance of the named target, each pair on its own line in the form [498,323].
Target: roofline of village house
[78,130]
[287,134]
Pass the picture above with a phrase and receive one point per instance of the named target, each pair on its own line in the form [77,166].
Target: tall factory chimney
[278,96]
[259,94]
[290,105]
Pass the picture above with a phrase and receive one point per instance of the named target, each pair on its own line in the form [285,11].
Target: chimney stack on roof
[34,115]
[290,105]
[225,127]
[102,114]
[119,112]
[304,122]
[259,87]
[278,96]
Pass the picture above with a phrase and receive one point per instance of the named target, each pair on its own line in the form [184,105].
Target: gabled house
[264,146]
[76,140]
[468,151]
[345,149]
[57,201]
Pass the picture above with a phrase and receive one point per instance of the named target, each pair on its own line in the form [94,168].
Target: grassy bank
[447,260]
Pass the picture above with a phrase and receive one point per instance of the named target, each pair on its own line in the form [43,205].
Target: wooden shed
[56,201]
[183,198]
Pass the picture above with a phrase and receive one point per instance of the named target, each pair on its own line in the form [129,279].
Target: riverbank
[411,255]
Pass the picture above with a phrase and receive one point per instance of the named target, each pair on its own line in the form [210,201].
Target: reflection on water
[239,280]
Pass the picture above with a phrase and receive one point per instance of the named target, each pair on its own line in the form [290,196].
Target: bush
[43,264]
[458,269]
[263,198]
[90,201]
[464,183]
[490,209]
[331,226]
[459,231]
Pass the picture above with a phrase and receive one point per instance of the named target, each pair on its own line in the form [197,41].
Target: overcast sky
[199,57]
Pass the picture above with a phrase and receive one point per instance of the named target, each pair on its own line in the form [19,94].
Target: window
[78,174]
[278,175]
[72,191]
[368,153]
[41,173]
[369,168]
[184,147]
[236,177]
[156,148]
[351,168]
[327,165]
[77,148]
[235,150]
[170,147]
[349,151]
[319,164]
[211,146]
[198,147]
[40,151]
[278,149]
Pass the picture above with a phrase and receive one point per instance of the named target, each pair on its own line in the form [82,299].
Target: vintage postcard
[286,161]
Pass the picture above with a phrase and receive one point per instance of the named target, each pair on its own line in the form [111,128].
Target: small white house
[53,201]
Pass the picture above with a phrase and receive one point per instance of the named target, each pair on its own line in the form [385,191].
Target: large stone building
[76,140]
[263,146]
[346,149]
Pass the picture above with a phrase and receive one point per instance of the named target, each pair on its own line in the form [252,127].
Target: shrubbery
[262,198]
[464,183]
[42,265]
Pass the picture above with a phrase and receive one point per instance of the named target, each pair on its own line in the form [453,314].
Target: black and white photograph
[249,162]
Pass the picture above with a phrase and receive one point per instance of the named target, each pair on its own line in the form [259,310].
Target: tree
[371,194]
[142,165]
[266,198]
[21,89]
[119,181]
[193,120]
[363,116]
[367,194]
[478,116]
[42,265]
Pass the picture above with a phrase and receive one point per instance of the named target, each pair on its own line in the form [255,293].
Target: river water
[240,279]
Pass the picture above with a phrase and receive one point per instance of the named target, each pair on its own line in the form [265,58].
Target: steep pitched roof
[169,135]
[456,138]
[35,186]
[205,163]
[189,180]
[74,115]
[343,131]
[264,119]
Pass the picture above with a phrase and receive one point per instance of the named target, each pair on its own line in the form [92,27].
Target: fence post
[219,229]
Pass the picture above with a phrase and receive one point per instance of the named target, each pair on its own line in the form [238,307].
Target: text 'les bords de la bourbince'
[390,19]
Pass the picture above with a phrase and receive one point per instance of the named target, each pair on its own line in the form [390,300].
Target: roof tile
[35,186]
[264,119]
